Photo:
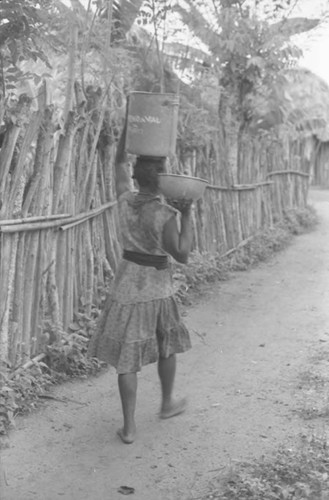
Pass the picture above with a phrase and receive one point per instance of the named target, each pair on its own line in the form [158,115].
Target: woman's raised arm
[178,243]
[122,175]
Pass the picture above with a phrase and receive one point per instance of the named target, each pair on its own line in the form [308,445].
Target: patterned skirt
[130,336]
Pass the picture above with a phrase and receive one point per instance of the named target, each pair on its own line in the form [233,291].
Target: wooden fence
[320,172]
[59,242]
[266,186]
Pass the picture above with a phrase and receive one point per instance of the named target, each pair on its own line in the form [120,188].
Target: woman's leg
[128,391]
[167,371]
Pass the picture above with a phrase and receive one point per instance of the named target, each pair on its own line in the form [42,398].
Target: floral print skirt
[130,336]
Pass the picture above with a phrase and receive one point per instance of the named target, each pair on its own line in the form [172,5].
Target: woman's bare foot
[126,438]
[174,408]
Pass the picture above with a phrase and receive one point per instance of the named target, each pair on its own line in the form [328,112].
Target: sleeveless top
[142,219]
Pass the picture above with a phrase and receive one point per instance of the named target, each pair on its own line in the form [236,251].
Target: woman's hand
[184,206]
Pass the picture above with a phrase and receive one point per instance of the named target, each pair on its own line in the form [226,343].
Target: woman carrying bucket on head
[140,323]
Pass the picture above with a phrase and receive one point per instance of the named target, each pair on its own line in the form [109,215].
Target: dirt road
[252,336]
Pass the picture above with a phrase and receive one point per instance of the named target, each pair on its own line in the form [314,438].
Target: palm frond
[293,26]
[199,26]
[124,14]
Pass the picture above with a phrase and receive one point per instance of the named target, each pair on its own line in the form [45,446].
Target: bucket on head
[152,124]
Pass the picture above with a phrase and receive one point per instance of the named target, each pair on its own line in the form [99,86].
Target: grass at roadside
[312,391]
[290,474]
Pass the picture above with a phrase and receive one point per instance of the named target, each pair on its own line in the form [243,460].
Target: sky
[316,54]
[315,44]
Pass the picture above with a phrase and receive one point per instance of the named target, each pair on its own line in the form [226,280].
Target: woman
[140,323]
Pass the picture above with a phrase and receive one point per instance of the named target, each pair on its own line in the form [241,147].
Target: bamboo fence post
[16,327]
[80,169]
[52,294]
[6,156]
[91,184]
[65,257]
[41,157]
[39,283]
[41,255]
[81,268]
[62,161]
[35,259]
[71,250]
[89,288]
[13,202]
[91,168]
[8,258]
[106,159]
[56,276]
[29,136]
[61,269]
[30,286]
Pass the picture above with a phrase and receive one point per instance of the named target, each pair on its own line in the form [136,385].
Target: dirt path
[252,336]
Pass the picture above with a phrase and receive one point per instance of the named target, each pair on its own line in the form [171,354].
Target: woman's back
[142,219]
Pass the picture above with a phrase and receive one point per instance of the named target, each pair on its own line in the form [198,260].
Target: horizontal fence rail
[55,221]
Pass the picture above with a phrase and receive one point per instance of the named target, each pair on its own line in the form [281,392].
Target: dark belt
[143,259]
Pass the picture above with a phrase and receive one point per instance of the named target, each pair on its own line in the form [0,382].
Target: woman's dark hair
[146,170]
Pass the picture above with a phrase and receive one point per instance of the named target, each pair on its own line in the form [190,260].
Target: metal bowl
[181,187]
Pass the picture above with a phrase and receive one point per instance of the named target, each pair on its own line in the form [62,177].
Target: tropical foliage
[27,32]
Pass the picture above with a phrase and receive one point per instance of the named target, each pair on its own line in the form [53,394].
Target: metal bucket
[152,124]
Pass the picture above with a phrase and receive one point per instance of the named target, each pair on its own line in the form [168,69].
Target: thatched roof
[309,108]
[300,100]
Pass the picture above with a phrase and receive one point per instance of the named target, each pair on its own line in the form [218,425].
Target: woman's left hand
[184,206]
